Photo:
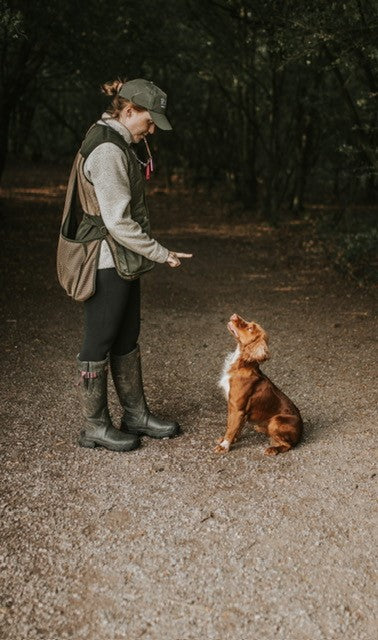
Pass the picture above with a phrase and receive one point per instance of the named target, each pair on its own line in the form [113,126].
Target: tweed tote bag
[78,245]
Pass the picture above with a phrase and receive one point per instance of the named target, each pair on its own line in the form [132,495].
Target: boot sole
[144,432]
[89,443]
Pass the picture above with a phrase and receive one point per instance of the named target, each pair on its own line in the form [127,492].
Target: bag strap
[71,192]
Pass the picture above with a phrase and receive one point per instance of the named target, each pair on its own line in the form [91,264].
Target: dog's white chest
[224,381]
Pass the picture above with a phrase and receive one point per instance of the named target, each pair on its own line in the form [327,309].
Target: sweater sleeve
[107,168]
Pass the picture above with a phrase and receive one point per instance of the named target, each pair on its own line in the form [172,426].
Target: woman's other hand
[174,258]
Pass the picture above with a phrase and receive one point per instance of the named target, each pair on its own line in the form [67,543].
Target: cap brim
[160,120]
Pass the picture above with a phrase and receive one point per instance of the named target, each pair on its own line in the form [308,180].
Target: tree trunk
[4,135]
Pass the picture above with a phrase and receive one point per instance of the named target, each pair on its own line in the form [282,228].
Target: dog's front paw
[271,451]
[223,446]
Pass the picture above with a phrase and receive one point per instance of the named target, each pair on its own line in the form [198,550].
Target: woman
[111,194]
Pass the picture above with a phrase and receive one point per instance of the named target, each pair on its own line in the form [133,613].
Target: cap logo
[163,103]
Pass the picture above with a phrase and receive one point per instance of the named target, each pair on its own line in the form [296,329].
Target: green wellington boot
[127,377]
[98,429]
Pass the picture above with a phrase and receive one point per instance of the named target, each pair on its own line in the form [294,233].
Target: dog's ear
[257,351]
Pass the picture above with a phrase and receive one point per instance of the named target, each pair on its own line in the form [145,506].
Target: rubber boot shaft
[127,377]
[98,429]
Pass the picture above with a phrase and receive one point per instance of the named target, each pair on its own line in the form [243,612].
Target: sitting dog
[252,397]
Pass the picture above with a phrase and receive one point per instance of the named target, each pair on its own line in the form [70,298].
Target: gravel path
[174,542]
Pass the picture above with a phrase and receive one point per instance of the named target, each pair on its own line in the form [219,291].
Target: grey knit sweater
[107,168]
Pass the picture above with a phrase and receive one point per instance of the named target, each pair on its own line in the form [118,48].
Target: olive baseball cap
[145,93]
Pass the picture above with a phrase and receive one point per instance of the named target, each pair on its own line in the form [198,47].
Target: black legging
[112,317]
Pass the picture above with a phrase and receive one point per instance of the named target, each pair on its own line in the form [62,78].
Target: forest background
[273,103]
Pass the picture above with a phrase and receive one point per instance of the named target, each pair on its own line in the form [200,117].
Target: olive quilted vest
[129,265]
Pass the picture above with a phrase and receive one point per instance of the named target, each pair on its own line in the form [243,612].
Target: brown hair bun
[112,87]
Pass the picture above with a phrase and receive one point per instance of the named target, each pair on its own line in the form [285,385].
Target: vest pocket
[129,264]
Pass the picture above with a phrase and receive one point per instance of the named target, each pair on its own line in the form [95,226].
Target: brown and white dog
[251,396]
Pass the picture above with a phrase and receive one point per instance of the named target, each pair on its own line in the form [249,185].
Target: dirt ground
[172,541]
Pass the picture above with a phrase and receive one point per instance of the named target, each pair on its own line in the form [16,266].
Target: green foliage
[357,255]
[350,239]
[10,23]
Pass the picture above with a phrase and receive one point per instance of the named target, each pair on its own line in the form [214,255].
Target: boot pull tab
[86,375]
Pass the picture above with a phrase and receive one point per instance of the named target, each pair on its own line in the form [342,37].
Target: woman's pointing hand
[174,258]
